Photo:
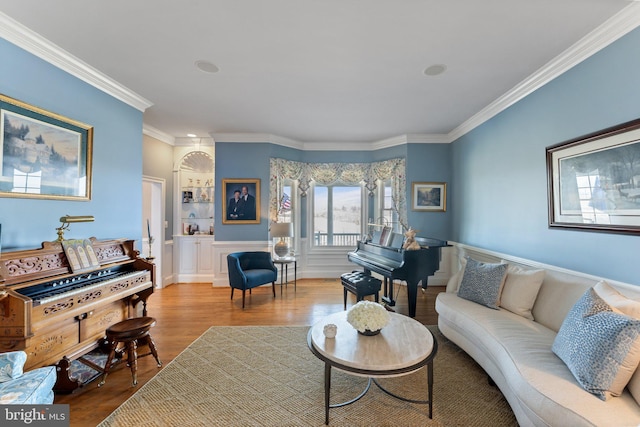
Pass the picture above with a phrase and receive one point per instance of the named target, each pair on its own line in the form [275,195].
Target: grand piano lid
[427,242]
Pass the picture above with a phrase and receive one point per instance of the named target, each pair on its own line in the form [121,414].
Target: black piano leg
[388,292]
[412,293]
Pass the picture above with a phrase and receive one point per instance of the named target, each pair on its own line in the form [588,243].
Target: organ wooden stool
[131,333]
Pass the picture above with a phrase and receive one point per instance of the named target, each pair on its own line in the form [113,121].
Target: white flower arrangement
[368,315]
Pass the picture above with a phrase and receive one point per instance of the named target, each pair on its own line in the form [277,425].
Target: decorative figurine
[330,330]
[410,243]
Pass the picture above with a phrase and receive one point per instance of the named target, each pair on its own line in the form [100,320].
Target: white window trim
[364,220]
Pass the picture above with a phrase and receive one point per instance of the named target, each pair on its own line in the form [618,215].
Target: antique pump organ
[56,314]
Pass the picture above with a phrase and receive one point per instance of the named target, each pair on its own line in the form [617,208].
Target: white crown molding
[412,138]
[249,138]
[338,146]
[611,30]
[427,138]
[285,142]
[332,146]
[34,43]
[198,142]
[158,134]
[390,142]
[379,145]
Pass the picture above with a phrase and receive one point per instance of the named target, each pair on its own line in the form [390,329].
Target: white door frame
[153,206]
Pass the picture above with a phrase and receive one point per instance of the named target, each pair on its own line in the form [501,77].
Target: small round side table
[284,265]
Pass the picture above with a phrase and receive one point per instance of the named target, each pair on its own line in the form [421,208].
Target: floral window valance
[344,173]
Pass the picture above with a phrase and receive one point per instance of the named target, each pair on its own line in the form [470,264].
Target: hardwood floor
[185,311]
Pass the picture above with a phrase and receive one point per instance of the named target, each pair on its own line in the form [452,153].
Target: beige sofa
[516,351]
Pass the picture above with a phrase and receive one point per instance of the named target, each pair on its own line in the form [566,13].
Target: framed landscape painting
[429,196]
[43,154]
[594,181]
[241,201]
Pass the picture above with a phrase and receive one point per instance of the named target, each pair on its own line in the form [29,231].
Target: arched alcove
[196,193]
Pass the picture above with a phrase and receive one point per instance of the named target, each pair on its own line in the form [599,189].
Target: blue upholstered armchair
[250,269]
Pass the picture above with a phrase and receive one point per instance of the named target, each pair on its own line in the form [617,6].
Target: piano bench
[360,285]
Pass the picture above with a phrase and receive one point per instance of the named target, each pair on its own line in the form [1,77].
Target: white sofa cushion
[482,282]
[600,346]
[557,295]
[634,385]
[454,281]
[630,307]
[615,299]
[520,290]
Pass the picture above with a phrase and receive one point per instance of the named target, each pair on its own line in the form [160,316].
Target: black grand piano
[399,264]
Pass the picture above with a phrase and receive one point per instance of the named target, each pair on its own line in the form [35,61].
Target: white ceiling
[323,71]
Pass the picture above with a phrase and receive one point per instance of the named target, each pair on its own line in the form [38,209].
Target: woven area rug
[267,376]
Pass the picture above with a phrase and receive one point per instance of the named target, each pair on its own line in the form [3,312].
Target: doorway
[153,223]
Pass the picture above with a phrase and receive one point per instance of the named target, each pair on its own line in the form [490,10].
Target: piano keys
[56,316]
[50,291]
[399,264]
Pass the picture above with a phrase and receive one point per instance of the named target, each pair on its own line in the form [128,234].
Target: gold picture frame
[237,210]
[429,196]
[43,154]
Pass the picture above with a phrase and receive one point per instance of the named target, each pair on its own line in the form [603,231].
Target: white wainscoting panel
[483,255]
[167,272]
[316,263]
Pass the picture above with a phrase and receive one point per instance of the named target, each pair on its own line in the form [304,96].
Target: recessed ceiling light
[206,66]
[435,70]
[191,135]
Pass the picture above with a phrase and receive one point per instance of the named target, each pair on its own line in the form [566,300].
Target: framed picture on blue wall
[429,196]
[43,154]
[594,181]
[241,201]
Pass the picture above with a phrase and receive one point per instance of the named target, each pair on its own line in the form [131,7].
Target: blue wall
[430,163]
[117,155]
[425,162]
[243,160]
[499,184]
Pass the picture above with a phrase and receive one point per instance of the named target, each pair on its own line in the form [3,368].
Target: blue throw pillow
[600,347]
[483,282]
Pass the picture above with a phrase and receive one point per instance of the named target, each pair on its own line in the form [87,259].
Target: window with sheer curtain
[340,194]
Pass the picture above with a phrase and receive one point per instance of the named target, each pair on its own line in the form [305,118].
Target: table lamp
[281,230]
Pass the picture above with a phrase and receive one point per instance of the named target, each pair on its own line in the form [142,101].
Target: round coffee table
[403,346]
